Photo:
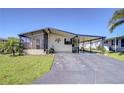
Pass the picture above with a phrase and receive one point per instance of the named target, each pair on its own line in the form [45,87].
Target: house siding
[58,47]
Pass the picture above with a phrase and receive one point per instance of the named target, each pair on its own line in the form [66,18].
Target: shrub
[11,46]
[51,50]
[102,49]
[2,48]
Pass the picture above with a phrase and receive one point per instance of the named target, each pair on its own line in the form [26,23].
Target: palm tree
[116,20]
[12,45]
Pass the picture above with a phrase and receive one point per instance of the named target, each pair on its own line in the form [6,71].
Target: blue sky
[82,21]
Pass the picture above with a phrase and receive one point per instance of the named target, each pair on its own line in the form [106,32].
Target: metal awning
[86,38]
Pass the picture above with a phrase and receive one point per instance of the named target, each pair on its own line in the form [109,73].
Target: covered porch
[35,42]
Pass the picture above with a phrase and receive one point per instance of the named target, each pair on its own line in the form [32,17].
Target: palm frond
[116,20]
[119,11]
[117,17]
[112,26]
[118,14]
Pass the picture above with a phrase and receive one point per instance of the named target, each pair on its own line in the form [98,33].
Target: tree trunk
[13,52]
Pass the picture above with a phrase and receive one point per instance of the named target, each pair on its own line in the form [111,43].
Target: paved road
[83,69]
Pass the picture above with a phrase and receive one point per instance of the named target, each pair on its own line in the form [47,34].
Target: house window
[37,43]
[106,42]
[67,41]
[122,42]
[112,41]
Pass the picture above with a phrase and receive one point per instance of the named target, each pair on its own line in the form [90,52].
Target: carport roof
[83,38]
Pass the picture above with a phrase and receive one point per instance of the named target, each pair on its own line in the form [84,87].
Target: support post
[83,46]
[102,43]
[90,45]
[26,42]
[31,43]
[115,45]
[78,45]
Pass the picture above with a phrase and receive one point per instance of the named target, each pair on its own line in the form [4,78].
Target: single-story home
[115,43]
[2,40]
[111,44]
[39,41]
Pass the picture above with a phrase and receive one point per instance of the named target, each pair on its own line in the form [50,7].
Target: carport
[89,39]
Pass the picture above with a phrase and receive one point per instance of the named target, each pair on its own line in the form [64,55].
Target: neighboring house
[111,44]
[2,40]
[115,43]
[39,41]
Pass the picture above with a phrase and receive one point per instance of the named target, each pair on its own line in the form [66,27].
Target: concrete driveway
[84,68]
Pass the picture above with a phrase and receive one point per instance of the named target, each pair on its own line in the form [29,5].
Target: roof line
[92,40]
[78,34]
[31,31]
[115,37]
[91,35]
[61,31]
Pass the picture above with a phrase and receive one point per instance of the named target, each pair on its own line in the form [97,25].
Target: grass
[23,69]
[118,56]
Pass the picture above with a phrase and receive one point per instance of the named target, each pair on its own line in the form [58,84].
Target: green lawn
[118,56]
[23,69]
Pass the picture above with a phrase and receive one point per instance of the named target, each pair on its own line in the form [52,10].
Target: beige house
[39,41]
